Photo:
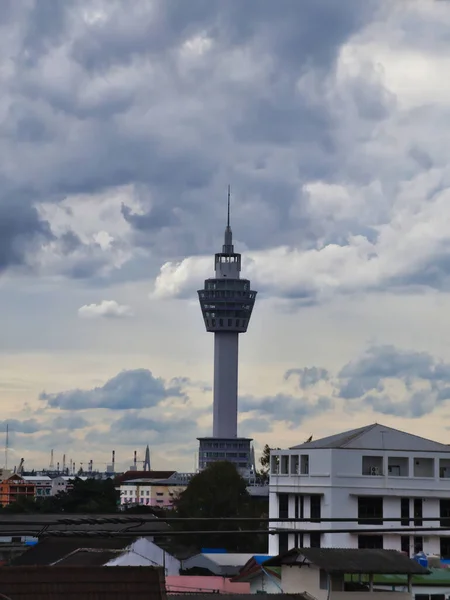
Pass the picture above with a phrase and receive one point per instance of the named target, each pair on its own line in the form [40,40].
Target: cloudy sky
[121,124]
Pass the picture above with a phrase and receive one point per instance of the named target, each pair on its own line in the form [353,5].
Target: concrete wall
[296,580]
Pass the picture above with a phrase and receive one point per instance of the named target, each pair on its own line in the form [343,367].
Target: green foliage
[91,496]
[218,492]
[265,462]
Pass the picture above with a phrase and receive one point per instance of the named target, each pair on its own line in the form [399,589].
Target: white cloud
[106,309]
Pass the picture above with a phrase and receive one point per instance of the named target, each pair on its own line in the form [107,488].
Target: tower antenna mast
[6,446]
[228,212]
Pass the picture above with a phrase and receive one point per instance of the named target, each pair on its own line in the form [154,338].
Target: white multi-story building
[42,483]
[374,472]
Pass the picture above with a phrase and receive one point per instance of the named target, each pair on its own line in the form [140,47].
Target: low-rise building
[15,488]
[321,572]
[392,486]
[42,483]
[149,488]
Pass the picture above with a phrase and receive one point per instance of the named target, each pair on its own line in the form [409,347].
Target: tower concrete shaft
[227,302]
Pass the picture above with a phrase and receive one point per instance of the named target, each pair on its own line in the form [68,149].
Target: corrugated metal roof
[76,583]
[350,560]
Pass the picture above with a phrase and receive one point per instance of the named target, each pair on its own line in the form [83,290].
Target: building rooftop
[52,550]
[350,560]
[375,437]
[32,524]
[130,475]
[95,583]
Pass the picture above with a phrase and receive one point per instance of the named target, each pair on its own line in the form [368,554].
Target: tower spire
[228,241]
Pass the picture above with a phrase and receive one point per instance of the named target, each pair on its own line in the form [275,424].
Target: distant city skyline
[122,125]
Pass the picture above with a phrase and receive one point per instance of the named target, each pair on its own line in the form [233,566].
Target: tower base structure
[235,450]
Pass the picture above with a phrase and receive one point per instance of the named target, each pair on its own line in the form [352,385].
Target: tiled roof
[102,583]
[349,560]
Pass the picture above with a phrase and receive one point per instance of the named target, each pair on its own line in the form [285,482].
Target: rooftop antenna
[6,446]
[228,212]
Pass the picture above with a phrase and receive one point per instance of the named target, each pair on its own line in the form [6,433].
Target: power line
[89,533]
[152,518]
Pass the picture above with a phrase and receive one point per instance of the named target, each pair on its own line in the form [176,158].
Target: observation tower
[227,303]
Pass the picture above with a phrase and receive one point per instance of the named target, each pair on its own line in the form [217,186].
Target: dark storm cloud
[99,98]
[21,231]
[127,390]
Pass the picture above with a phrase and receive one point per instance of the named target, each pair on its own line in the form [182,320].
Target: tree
[87,496]
[265,462]
[218,492]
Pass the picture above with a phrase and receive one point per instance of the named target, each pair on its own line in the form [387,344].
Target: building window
[284,464]
[418,544]
[370,542]
[283,542]
[314,540]
[304,464]
[445,547]
[274,464]
[295,468]
[370,510]
[398,466]
[372,465]
[424,467]
[418,512]
[404,544]
[283,506]
[299,540]
[299,507]
[315,508]
[444,512]
[404,512]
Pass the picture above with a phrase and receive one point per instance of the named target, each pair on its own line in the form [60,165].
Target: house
[433,586]
[99,583]
[222,564]
[262,579]
[42,483]
[370,475]
[321,572]
[98,552]
[211,584]
[14,488]
[151,488]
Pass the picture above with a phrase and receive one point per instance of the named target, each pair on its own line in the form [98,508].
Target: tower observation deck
[227,303]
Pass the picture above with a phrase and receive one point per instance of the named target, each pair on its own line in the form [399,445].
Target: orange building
[15,487]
